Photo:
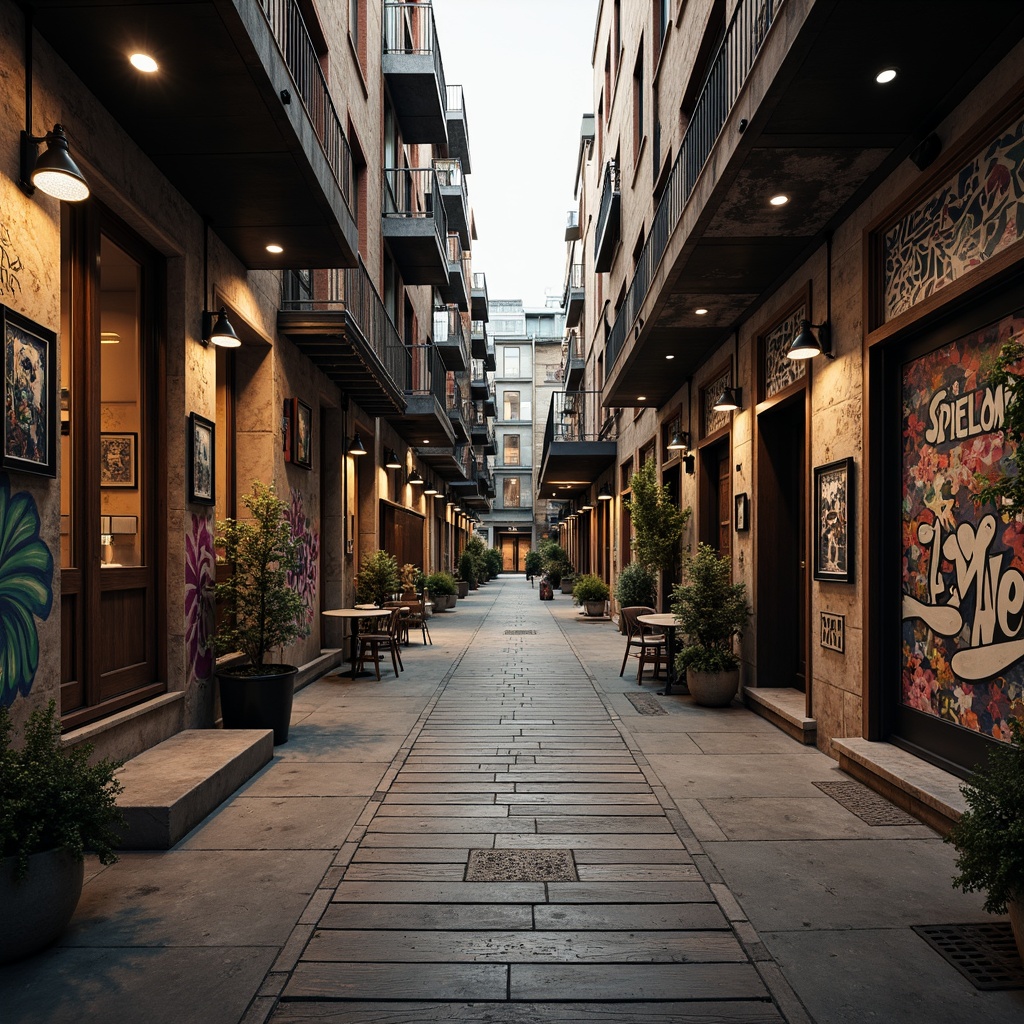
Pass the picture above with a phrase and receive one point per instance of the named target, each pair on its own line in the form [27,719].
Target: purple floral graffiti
[199,580]
[306,577]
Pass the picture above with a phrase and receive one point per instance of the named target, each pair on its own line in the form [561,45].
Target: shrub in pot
[467,570]
[534,566]
[261,612]
[55,805]
[495,561]
[989,837]
[475,548]
[379,577]
[555,562]
[443,590]
[711,610]
[592,592]
[636,585]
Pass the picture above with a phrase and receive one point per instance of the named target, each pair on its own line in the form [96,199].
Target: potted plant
[378,578]
[555,562]
[467,572]
[658,523]
[261,613]
[495,562]
[55,806]
[710,610]
[636,585]
[989,837]
[534,565]
[443,590]
[592,592]
[476,550]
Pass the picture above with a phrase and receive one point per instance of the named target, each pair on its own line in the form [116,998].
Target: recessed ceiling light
[779,200]
[426,440]
[641,398]
[885,76]
[274,248]
[143,62]
[701,311]
[670,356]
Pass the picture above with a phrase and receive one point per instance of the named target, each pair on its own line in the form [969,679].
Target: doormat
[521,866]
[520,632]
[985,954]
[645,704]
[866,804]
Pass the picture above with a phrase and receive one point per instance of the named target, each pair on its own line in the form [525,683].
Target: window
[662,17]
[510,492]
[510,450]
[638,101]
[511,405]
[511,360]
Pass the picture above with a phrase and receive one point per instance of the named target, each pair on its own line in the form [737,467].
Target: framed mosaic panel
[777,371]
[833,522]
[711,422]
[30,396]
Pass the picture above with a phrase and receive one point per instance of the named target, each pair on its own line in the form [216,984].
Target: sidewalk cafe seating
[642,642]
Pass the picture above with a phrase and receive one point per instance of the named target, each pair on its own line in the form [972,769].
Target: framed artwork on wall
[119,459]
[30,396]
[833,522]
[741,512]
[286,430]
[201,454]
[302,434]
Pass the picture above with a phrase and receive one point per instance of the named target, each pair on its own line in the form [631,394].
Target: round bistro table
[669,624]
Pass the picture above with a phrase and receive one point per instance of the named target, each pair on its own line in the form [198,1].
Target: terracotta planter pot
[35,910]
[258,702]
[713,689]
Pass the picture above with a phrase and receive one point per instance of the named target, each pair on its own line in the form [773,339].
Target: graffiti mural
[10,264]
[977,213]
[963,563]
[306,578]
[200,568]
[26,591]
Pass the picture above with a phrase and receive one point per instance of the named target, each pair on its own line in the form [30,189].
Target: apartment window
[638,101]
[357,28]
[511,358]
[617,30]
[510,450]
[511,405]
[662,17]
[608,77]
[510,492]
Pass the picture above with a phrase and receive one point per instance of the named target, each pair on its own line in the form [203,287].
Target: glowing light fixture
[144,63]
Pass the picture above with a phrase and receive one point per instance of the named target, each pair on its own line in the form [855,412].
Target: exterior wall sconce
[415,479]
[680,441]
[391,460]
[217,329]
[356,447]
[730,400]
[450,501]
[53,172]
[430,490]
[604,494]
[586,507]
[807,346]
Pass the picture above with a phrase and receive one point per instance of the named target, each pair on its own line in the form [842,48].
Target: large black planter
[258,702]
[34,910]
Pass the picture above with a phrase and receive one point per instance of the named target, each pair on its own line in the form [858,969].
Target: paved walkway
[499,835]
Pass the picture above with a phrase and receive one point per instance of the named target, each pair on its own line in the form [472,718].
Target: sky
[525,71]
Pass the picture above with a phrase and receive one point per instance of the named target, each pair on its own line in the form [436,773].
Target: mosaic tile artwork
[712,421]
[977,213]
[778,370]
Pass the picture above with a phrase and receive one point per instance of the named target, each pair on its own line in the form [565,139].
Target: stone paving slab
[312,980]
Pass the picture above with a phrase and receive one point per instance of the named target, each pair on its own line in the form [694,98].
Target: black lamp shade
[357,447]
[729,401]
[218,330]
[805,345]
[391,461]
[55,173]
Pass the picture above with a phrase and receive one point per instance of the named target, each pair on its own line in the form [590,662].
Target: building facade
[754,174]
[299,168]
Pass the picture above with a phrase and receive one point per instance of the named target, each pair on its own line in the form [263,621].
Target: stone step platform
[171,787]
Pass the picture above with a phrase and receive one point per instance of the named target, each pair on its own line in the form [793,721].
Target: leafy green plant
[52,796]
[589,587]
[442,583]
[1007,492]
[989,837]
[711,610]
[467,568]
[555,561]
[495,561]
[657,520]
[477,550]
[378,578]
[262,612]
[534,565]
[636,585]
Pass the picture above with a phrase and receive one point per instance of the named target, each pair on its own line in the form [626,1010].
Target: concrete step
[171,787]
[783,707]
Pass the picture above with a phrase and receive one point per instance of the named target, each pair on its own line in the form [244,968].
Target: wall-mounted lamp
[730,400]
[450,501]
[415,479]
[680,441]
[430,490]
[586,507]
[52,172]
[604,494]
[391,460]
[356,446]
[217,329]
[807,346]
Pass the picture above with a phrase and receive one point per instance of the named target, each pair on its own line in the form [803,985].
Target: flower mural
[200,567]
[26,591]
[304,579]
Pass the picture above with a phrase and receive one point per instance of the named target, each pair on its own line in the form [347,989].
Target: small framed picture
[201,454]
[741,519]
[30,396]
[302,434]
[833,521]
[119,460]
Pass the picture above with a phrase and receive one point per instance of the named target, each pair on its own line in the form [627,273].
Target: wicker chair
[374,644]
[642,642]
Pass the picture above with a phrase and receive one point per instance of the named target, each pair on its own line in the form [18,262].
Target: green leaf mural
[26,590]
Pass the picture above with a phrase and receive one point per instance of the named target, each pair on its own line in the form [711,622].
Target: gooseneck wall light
[805,345]
[356,446]
[731,397]
[216,328]
[391,460]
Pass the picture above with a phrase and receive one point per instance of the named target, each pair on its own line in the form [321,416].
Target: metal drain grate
[521,866]
[866,803]
[520,632]
[985,954]
[645,704]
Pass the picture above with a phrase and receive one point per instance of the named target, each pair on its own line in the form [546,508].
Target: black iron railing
[449,173]
[609,192]
[427,375]
[448,326]
[572,352]
[455,101]
[576,416]
[743,39]
[409,28]
[414,192]
[296,46]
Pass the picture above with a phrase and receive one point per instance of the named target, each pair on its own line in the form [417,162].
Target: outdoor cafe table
[668,623]
[354,615]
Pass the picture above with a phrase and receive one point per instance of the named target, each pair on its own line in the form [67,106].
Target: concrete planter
[463,588]
[713,689]
[258,702]
[35,910]
[594,607]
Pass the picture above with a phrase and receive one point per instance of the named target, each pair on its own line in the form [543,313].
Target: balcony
[577,447]
[460,410]
[573,361]
[458,128]
[481,433]
[449,339]
[216,127]
[490,364]
[426,419]
[479,297]
[453,194]
[572,299]
[572,226]
[478,339]
[337,320]
[451,463]
[609,220]
[788,99]
[480,386]
[456,291]
[415,225]
[412,67]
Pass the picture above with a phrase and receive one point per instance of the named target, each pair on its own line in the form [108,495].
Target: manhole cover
[521,866]
[645,704]
[985,954]
[520,632]
[866,803]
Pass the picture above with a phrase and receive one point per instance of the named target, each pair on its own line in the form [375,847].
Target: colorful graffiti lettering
[305,579]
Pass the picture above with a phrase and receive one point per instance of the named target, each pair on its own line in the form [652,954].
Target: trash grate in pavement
[520,632]
[645,703]
[985,954]
[521,866]
[866,803]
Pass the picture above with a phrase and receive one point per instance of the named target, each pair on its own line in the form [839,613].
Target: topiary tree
[658,521]
[467,568]
[378,578]
[534,565]
[495,561]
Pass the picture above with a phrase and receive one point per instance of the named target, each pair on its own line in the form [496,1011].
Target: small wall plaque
[833,632]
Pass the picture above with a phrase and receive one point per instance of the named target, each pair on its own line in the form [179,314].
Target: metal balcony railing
[609,192]
[572,353]
[743,39]
[414,192]
[296,46]
[576,416]
[448,326]
[427,375]
[409,28]
[449,173]
[456,401]
[351,291]
[454,99]
[456,254]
